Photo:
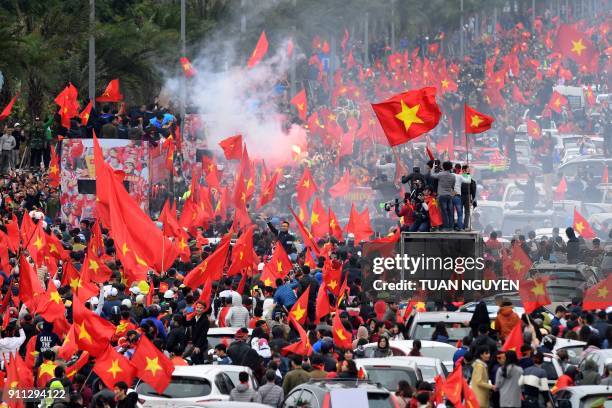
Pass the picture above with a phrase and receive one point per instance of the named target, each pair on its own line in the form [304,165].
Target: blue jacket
[285,295]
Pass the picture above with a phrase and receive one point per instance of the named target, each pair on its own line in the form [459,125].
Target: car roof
[335,383]
[385,361]
[230,331]
[202,370]
[408,344]
[584,390]
[224,404]
[401,361]
[442,316]
[562,343]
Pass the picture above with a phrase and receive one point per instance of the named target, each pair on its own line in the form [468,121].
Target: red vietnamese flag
[471,400]
[85,114]
[153,367]
[319,223]
[533,129]
[514,341]
[518,264]
[232,147]
[94,268]
[582,226]
[533,293]
[18,377]
[69,346]
[598,296]
[305,187]
[435,213]
[260,50]
[343,338]
[335,230]
[45,373]
[37,242]
[168,145]
[206,294]
[54,169]
[575,45]
[113,367]
[408,115]
[561,189]
[332,275]
[30,287]
[302,347]
[12,230]
[6,112]
[453,386]
[323,307]
[299,310]
[111,93]
[307,237]
[268,191]
[277,267]
[359,224]
[91,330]
[242,253]
[557,101]
[67,100]
[50,305]
[210,268]
[604,176]
[74,368]
[518,96]
[476,122]
[342,186]
[188,69]
[301,104]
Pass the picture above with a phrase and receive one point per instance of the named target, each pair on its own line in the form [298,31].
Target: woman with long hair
[507,381]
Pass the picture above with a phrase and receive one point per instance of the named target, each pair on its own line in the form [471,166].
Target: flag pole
[467,158]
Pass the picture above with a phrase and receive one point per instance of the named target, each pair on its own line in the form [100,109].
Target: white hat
[135,290]
[94,300]
[140,299]
[113,292]
[169,294]
[57,283]
[127,303]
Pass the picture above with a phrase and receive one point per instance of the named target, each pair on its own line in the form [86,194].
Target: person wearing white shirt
[459,179]
[9,344]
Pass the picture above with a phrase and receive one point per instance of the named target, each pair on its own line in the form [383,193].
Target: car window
[222,384]
[443,353]
[292,399]
[429,372]
[456,331]
[551,372]
[389,377]
[574,354]
[380,400]
[179,387]
[308,400]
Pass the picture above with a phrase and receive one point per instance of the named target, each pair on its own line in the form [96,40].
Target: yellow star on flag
[250,183]
[314,218]
[125,249]
[75,284]
[53,248]
[55,297]
[409,115]
[332,284]
[557,102]
[299,312]
[579,227]
[538,289]
[38,243]
[300,106]
[182,244]
[83,334]
[602,292]
[93,265]
[306,183]
[476,121]
[578,46]
[340,334]
[114,368]
[517,265]
[153,365]
[444,83]
[279,266]
[332,223]
[420,306]
[53,169]
[140,261]
[268,282]
[48,368]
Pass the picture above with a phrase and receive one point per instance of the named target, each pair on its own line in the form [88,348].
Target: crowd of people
[440,195]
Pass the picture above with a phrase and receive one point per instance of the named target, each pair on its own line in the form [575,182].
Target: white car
[189,384]
[389,371]
[601,358]
[457,325]
[433,349]
[584,396]
[573,347]
[217,335]
[429,367]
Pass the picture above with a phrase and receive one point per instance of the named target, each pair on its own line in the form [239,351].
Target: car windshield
[179,387]
[380,400]
[589,401]
[217,339]
[388,377]
[428,372]
[456,331]
[574,354]
[443,353]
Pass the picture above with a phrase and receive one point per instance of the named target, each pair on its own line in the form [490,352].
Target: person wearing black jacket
[468,197]
[284,236]
[199,332]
